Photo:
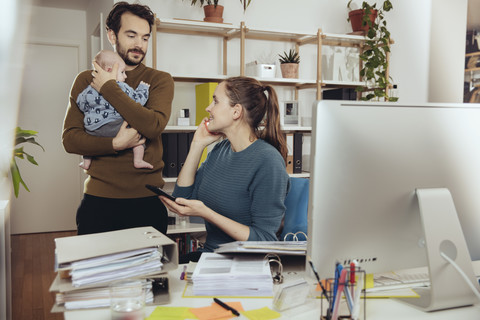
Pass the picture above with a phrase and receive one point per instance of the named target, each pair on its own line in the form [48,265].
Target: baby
[101,119]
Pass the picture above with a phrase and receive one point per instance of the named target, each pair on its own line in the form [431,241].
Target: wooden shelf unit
[242,32]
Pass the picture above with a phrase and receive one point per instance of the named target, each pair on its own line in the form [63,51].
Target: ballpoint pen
[340,288]
[353,266]
[338,271]
[324,292]
[182,276]
[226,306]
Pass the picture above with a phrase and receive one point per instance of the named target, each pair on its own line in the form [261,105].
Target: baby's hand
[147,84]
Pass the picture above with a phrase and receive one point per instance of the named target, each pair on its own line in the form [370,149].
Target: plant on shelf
[289,63]
[374,58]
[214,11]
[22,136]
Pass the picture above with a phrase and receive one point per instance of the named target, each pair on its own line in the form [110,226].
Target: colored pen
[353,266]
[226,306]
[318,279]
[341,286]
[182,276]
[338,271]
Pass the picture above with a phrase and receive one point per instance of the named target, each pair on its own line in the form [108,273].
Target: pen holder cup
[348,300]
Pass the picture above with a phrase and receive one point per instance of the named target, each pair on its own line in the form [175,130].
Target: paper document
[278,247]
[226,275]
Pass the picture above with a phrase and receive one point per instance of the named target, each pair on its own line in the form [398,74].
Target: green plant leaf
[21,137]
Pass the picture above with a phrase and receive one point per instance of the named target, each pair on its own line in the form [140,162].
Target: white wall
[56,185]
[410,22]
[447,50]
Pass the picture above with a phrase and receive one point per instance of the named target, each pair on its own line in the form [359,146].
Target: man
[115,196]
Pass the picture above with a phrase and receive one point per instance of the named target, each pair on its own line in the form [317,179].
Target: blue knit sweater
[249,187]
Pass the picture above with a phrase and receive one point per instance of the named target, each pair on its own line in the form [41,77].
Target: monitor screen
[367,161]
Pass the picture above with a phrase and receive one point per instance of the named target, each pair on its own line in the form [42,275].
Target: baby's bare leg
[138,161]
[85,164]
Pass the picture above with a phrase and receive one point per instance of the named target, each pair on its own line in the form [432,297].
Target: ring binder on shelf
[295,236]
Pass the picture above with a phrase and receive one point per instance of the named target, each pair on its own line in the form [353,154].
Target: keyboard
[398,280]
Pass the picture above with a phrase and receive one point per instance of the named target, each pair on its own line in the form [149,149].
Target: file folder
[182,150]
[169,141]
[297,152]
[77,248]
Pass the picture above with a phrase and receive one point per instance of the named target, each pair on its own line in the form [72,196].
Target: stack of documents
[88,264]
[278,247]
[237,275]
[97,297]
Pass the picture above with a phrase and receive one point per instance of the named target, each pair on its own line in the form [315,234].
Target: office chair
[295,223]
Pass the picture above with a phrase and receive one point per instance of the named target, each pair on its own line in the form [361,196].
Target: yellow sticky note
[369,281]
[171,313]
[264,313]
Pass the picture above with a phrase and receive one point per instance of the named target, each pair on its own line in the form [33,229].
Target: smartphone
[160,192]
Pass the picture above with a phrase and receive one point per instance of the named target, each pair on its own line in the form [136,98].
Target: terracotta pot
[289,70]
[213,14]
[356,17]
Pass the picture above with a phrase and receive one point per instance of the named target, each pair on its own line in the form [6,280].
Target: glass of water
[127,300]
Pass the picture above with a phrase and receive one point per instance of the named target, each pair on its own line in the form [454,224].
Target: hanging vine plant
[374,57]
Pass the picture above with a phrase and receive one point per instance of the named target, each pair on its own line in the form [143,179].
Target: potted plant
[214,11]
[375,56]
[289,64]
[22,136]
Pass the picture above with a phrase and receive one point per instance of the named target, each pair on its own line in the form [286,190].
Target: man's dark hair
[114,17]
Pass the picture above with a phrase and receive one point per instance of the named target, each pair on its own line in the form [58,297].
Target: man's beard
[124,54]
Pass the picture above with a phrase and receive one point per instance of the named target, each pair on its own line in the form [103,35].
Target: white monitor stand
[443,233]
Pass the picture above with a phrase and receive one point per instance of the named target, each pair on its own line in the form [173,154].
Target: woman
[240,188]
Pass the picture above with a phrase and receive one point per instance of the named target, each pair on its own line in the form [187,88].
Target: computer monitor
[371,164]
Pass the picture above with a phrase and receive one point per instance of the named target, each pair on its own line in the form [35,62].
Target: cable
[460,271]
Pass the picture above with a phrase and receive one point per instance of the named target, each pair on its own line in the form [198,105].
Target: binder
[77,248]
[182,150]
[203,97]
[169,141]
[289,139]
[92,248]
[297,152]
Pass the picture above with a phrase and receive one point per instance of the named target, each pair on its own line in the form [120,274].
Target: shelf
[193,27]
[187,228]
[199,78]
[472,70]
[288,128]
[471,54]
[300,175]
[179,128]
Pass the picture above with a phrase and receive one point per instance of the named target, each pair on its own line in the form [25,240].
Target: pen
[318,279]
[226,306]
[340,288]
[338,271]
[182,276]
[353,266]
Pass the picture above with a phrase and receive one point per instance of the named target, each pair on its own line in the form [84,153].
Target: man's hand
[101,76]
[127,138]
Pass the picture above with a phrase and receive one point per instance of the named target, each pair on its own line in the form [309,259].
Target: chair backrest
[296,214]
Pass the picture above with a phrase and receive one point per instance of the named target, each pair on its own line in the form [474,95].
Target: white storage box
[261,70]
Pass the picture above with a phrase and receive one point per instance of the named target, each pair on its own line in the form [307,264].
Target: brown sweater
[112,174]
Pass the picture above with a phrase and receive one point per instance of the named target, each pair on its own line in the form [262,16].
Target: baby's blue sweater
[249,187]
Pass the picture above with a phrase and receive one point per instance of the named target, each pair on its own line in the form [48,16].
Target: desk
[376,308]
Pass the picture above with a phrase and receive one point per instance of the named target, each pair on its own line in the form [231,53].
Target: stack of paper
[88,264]
[238,275]
[278,247]
[97,297]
